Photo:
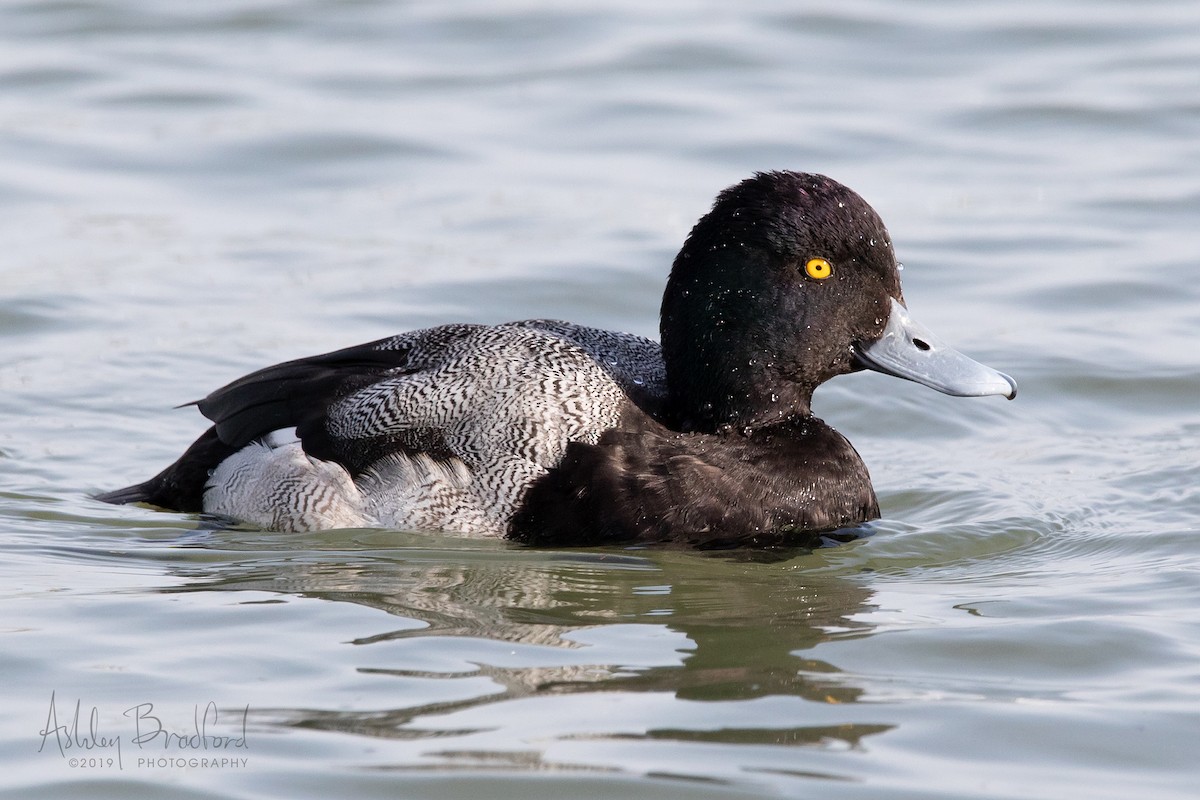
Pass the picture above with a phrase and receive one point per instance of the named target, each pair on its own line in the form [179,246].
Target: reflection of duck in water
[534,623]
[550,432]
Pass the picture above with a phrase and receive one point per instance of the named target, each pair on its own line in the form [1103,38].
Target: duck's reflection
[696,627]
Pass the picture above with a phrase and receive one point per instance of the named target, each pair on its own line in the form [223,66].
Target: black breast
[643,482]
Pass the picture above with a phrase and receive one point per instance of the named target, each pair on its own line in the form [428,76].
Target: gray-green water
[189,191]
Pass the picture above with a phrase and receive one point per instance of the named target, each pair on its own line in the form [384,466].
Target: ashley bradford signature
[78,732]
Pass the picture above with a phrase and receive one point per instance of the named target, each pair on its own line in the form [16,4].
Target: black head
[768,297]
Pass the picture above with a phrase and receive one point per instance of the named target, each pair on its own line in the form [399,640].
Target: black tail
[138,493]
[295,394]
[179,487]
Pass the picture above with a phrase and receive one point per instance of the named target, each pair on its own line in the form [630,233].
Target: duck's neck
[717,393]
[722,339]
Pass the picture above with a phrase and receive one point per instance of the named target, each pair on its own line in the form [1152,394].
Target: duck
[551,433]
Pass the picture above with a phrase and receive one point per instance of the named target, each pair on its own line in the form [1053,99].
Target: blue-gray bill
[907,349]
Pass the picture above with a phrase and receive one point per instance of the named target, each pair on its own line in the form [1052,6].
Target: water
[190,191]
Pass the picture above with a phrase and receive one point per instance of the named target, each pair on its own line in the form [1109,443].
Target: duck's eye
[818,268]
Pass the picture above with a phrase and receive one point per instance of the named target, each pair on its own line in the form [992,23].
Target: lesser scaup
[553,433]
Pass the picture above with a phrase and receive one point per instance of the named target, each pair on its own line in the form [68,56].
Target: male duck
[553,433]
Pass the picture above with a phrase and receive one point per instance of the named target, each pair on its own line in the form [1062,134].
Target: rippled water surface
[189,191]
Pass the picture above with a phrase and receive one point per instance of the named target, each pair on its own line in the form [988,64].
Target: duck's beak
[906,349]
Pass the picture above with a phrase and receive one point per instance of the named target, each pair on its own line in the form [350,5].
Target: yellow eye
[818,268]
